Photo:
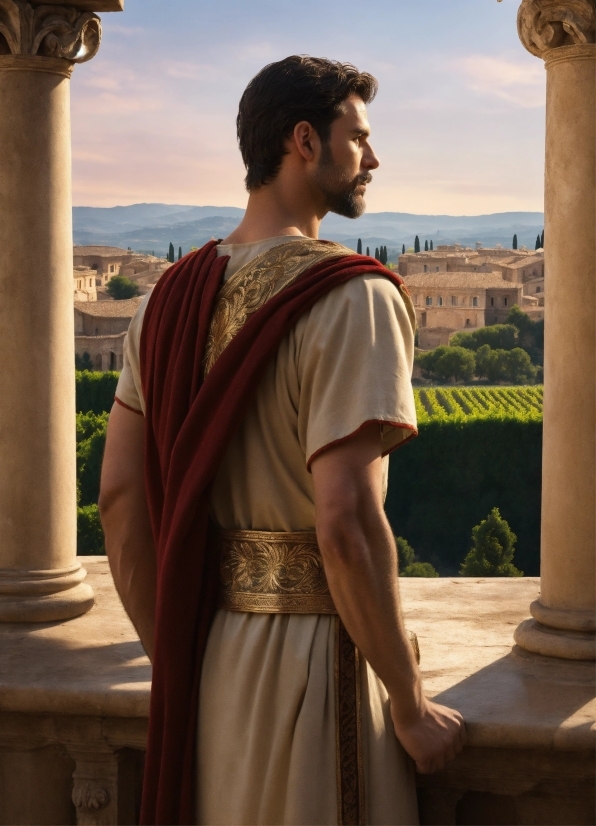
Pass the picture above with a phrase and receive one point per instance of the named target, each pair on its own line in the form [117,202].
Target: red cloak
[190,420]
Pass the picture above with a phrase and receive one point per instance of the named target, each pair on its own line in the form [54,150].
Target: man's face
[346,161]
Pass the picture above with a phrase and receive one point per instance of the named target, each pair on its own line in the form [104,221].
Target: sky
[458,123]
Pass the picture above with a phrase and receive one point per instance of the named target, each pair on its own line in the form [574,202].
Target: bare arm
[360,561]
[125,521]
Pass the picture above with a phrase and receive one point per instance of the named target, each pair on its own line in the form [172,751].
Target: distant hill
[151,227]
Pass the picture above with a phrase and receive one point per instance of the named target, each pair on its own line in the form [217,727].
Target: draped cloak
[190,418]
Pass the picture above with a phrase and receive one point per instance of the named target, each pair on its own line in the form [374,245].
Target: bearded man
[266,380]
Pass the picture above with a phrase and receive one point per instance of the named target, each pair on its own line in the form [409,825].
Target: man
[266,379]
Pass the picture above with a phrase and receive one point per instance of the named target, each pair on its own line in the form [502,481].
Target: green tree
[513,366]
[403,249]
[448,363]
[416,244]
[542,240]
[368,251]
[120,288]
[530,333]
[490,364]
[408,564]
[431,246]
[493,548]
[90,539]
[83,362]
[537,245]
[515,242]
[171,253]
[377,253]
[426,246]
[179,253]
[497,336]
[359,246]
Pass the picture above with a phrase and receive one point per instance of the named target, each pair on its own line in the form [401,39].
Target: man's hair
[285,93]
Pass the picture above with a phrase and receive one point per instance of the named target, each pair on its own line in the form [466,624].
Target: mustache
[366,178]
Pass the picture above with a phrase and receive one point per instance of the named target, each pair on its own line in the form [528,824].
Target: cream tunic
[266,744]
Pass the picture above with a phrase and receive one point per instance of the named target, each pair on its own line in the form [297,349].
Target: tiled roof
[458,280]
[109,309]
[526,262]
[107,251]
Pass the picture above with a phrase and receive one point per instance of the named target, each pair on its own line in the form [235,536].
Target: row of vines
[469,403]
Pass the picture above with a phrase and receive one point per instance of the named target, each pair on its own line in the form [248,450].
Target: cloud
[520,82]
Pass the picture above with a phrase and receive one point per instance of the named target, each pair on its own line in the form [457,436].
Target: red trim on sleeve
[412,435]
[128,407]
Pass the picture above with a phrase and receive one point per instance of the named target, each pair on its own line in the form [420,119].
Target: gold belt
[270,572]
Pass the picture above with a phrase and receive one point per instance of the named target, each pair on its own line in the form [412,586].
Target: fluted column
[563,33]
[40,577]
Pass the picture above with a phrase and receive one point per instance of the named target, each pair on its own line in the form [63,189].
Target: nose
[369,159]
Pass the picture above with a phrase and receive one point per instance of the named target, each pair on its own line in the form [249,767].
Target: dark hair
[285,93]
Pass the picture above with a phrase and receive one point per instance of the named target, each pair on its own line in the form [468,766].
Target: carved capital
[547,24]
[90,796]
[49,31]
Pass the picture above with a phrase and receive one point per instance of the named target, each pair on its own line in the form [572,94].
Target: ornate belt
[268,572]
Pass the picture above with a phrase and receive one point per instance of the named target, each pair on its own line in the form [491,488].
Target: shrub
[497,336]
[120,288]
[408,565]
[448,363]
[493,547]
[90,539]
[91,437]
[95,391]
[513,366]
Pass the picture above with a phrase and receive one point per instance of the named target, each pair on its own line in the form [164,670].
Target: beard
[338,189]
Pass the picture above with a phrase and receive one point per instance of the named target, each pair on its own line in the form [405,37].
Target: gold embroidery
[348,730]
[272,573]
[258,281]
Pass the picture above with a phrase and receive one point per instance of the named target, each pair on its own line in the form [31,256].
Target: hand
[433,737]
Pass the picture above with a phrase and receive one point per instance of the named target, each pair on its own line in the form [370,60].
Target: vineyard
[473,403]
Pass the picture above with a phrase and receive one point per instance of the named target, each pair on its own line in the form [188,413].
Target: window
[415,300]
[492,302]
[429,301]
[437,269]
[440,301]
[78,285]
[505,301]
[425,268]
[90,282]
[454,301]
[111,268]
[475,301]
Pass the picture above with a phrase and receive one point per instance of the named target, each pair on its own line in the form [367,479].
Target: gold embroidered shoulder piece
[258,281]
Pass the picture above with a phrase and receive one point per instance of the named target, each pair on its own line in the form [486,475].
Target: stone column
[40,576]
[563,33]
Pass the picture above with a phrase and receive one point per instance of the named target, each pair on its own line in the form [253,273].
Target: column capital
[543,25]
[60,31]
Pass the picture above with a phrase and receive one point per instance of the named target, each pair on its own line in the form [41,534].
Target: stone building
[110,261]
[458,300]
[100,331]
[513,265]
[84,286]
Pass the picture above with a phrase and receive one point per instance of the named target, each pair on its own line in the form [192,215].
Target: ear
[306,140]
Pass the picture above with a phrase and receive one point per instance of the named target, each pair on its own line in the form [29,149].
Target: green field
[470,403]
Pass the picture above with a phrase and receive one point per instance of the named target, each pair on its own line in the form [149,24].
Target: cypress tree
[403,249]
[385,256]
[368,251]
[426,246]
[171,253]
[542,240]
[359,246]
[377,253]
[431,246]
[179,253]
[537,246]
[416,244]
[515,241]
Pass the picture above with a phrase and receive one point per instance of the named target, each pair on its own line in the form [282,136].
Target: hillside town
[453,288]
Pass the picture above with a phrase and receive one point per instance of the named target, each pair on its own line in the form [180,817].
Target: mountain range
[151,227]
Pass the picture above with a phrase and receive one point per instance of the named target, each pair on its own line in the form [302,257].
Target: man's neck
[270,212]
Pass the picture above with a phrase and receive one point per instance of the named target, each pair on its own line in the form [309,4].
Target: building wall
[106,352]
[89,325]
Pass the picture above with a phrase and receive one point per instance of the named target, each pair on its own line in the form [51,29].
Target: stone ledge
[95,666]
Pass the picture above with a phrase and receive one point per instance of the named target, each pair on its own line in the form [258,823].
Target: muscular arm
[360,561]
[125,521]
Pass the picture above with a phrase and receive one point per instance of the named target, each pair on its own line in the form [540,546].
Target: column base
[555,642]
[44,596]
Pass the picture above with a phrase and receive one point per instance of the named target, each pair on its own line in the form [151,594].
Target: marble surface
[94,665]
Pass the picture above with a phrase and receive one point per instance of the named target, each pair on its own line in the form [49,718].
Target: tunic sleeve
[355,354]
[129,393]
